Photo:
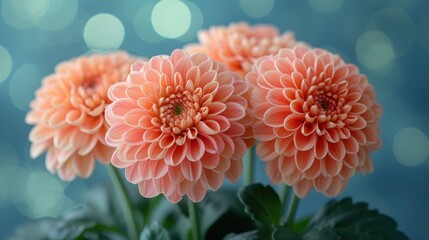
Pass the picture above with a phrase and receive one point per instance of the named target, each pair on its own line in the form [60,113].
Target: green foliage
[100,219]
[282,233]
[262,203]
[154,231]
[336,220]
[251,235]
[221,215]
[81,223]
[347,220]
[301,224]
[211,210]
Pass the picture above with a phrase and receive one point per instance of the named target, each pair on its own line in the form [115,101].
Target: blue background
[387,39]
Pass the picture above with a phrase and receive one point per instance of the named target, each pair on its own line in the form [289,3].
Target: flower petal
[302,188]
[330,167]
[196,150]
[84,166]
[275,116]
[293,122]
[191,170]
[304,160]
[147,189]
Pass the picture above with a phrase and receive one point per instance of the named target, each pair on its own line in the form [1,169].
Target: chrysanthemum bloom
[177,125]
[68,113]
[316,119]
[239,45]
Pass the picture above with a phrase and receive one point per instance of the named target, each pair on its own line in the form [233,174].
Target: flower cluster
[179,124]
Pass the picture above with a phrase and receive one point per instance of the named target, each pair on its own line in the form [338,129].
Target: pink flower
[316,119]
[177,125]
[239,45]
[68,114]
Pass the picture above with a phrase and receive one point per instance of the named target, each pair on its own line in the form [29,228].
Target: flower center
[178,108]
[92,82]
[326,103]
[180,111]
[90,96]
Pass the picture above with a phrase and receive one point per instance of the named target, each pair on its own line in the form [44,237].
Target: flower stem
[250,166]
[292,211]
[193,216]
[285,191]
[125,202]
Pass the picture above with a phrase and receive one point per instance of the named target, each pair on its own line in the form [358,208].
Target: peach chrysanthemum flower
[239,45]
[177,124]
[316,119]
[68,113]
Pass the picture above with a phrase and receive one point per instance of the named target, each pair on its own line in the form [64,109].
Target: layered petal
[68,113]
[316,119]
[188,113]
[239,44]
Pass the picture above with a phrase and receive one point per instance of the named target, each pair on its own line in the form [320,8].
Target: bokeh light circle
[410,147]
[50,15]
[375,51]
[23,85]
[325,6]
[171,18]
[257,8]
[196,22]
[22,13]
[397,25]
[104,32]
[44,196]
[143,25]
[34,8]
[5,64]
[58,15]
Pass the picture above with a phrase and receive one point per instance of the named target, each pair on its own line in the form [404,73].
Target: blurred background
[387,39]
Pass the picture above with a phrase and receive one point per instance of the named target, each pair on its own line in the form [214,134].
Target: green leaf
[82,223]
[282,233]
[211,210]
[262,203]
[301,224]
[172,218]
[228,224]
[73,223]
[220,212]
[154,232]
[347,220]
[251,235]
